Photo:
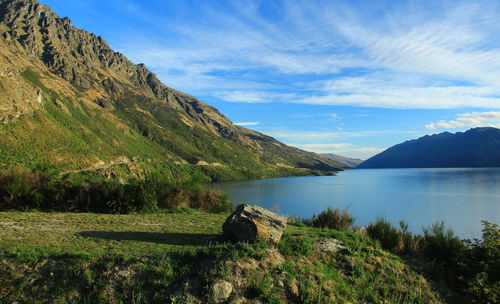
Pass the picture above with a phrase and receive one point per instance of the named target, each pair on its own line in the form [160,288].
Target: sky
[345,77]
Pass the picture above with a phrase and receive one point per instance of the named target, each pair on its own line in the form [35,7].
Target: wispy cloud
[344,149]
[336,142]
[322,137]
[473,119]
[254,96]
[250,123]
[408,57]
[334,116]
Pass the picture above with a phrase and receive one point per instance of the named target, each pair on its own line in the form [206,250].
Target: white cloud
[334,116]
[343,149]
[473,119]
[314,136]
[408,57]
[333,142]
[250,123]
[325,147]
[394,91]
[254,96]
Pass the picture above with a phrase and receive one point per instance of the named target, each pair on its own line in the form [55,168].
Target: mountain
[68,100]
[346,161]
[478,147]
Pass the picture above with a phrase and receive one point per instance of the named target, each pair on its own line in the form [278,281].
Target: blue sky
[347,77]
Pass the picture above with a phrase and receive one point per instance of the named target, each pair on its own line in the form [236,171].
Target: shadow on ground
[192,239]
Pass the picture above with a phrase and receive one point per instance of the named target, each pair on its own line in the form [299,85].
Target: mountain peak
[88,62]
[477,147]
[69,81]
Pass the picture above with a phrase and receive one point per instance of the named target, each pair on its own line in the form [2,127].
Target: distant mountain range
[346,161]
[478,147]
[68,100]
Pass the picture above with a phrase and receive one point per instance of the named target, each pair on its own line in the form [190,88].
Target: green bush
[481,266]
[210,200]
[333,219]
[472,264]
[442,246]
[388,236]
[23,189]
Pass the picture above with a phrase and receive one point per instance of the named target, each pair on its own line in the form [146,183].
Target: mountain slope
[70,101]
[478,147]
[346,161]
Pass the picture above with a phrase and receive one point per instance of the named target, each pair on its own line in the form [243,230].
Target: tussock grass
[333,219]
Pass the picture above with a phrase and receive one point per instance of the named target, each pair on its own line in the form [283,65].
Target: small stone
[220,291]
[241,300]
[124,273]
[281,284]
[330,245]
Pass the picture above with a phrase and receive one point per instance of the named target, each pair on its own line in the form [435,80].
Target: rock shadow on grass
[170,238]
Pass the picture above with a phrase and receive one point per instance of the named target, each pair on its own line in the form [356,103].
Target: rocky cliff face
[87,61]
[43,58]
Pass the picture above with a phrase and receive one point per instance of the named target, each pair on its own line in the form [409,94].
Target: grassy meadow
[100,234]
[174,257]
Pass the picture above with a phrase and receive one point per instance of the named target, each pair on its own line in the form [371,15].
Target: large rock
[249,223]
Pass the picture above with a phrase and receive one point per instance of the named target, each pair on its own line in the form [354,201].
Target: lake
[462,197]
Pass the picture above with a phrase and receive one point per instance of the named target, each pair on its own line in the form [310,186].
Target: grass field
[101,234]
[175,257]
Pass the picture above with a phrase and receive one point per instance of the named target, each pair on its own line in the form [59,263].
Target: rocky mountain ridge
[56,72]
[477,147]
[87,61]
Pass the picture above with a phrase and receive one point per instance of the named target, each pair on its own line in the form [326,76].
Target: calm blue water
[461,197]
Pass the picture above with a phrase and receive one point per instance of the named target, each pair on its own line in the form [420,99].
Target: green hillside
[69,101]
[175,258]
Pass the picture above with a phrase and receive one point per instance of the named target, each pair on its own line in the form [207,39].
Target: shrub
[438,244]
[333,219]
[411,244]
[399,241]
[23,189]
[475,264]
[174,198]
[442,246]
[210,200]
[480,270]
[388,236]
[298,221]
